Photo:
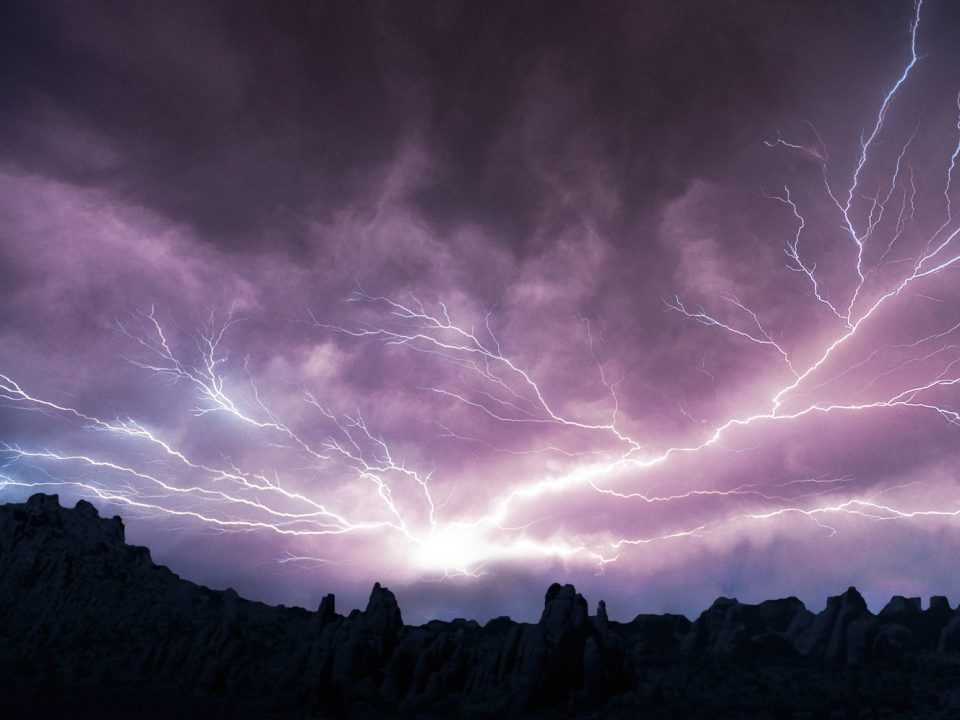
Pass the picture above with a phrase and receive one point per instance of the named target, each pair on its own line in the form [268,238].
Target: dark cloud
[242,120]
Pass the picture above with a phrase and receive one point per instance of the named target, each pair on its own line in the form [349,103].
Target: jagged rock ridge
[94,620]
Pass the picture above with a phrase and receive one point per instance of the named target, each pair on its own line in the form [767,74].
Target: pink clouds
[507,398]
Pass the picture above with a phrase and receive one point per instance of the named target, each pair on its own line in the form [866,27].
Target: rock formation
[90,626]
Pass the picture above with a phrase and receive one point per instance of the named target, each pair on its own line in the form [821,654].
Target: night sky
[656,298]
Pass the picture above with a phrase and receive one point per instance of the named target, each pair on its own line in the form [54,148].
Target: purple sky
[655,298]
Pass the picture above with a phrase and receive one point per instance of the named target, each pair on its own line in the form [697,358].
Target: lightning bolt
[339,476]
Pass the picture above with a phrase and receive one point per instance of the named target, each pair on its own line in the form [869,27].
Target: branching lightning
[351,480]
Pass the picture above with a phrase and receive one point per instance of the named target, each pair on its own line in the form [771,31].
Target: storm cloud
[450,246]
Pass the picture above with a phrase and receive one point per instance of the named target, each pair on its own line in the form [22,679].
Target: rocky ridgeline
[87,621]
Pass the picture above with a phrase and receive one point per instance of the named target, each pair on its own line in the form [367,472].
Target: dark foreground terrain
[91,627]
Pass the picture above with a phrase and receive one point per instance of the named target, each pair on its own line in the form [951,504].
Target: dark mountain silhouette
[91,627]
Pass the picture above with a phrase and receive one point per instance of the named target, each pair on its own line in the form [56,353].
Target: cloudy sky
[655,298]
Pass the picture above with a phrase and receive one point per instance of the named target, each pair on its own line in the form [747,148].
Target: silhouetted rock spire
[327,610]
[383,613]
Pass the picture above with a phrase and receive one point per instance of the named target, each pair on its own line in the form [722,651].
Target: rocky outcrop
[84,615]
[827,635]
